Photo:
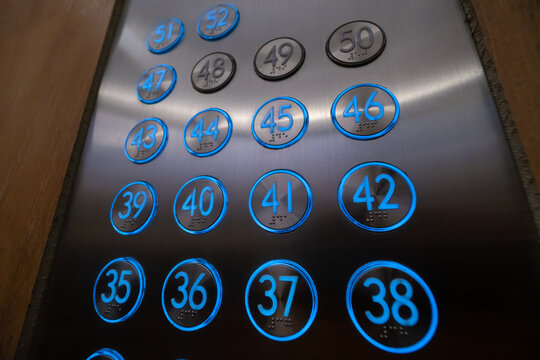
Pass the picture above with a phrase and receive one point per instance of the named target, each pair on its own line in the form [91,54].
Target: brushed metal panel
[471,237]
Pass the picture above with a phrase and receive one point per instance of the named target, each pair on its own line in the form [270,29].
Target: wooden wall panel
[49,54]
[512,32]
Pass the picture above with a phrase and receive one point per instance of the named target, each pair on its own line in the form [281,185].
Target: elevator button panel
[146,140]
[356,43]
[279,58]
[165,35]
[333,183]
[218,21]
[156,83]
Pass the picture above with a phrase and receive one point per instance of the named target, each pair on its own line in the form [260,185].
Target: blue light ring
[219,296]
[293,141]
[364,137]
[142,288]
[229,133]
[152,213]
[166,93]
[394,265]
[223,210]
[172,45]
[220,36]
[158,151]
[363,226]
[308,208]
[312,288]
[113,354]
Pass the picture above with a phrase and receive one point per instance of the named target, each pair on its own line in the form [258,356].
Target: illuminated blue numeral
[225,12]
[190,297]
[378,299]
[355,113]
[273,193]
[138,139]
[182,290]
[275,203]
[268,121]
[212,130]
[270,293]
[352,109]
[283,114]
[160,31]
[368,199]
[403,300]
[384,204]
[114,288]
[191,198]
[133,200]
[150,80]
[198,130]
[201,201]
[189,204]
[400,300]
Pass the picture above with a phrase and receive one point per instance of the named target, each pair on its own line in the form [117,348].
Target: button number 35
[112,285]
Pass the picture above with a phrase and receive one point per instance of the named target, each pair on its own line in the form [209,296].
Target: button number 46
[352,109]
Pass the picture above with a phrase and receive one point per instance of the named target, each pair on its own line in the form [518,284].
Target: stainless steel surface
[356,43]
[472,238]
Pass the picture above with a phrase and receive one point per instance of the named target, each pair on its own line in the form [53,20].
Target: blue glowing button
[165,35]
[200,204]
[281,300]
[119,290]
[213,72]
[207,132]
[218,21]
[105,354]
[156,83]
[392,307]
[146,140]
[279,122]
[279,58]
[280,201]
[133,208]
[365,111]
[377,196]
[191,294]
[356,43]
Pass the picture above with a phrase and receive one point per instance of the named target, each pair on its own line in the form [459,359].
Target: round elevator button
[200,205]
[192,294]
[133,208]
[105,354]
[165,35]
[365,111]
[280,201]
[156,84]
[119,290]
[377,196]
[281,300]
[218,21]
[392,307]
[356,43]
[213,72]
[279,122]
[146,140]
[207,132]
[279,58]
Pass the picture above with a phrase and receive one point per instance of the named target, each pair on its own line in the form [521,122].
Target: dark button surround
[213,72]
[279,58]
